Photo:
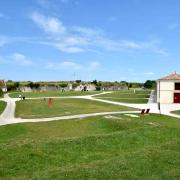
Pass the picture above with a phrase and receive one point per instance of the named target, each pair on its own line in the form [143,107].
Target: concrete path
[19,120]
[8,116]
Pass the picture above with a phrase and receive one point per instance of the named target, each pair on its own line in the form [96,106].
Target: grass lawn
[2,106]
[117,147]
[52,94]
[176,112]
[62,107]
[127,96]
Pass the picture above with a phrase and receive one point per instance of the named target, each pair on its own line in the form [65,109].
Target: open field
[61,107]
[127,96]
[52,94]
[2,106]
[110,147]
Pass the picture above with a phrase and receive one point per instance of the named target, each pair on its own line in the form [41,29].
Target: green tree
[149,84]
[78,81]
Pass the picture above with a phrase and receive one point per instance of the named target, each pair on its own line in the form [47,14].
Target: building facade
[168,89]
[3,85]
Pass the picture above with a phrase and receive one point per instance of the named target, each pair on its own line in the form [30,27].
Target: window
[177,86]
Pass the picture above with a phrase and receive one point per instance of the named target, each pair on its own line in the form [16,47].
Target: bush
[33,85]
[74,85]
[12,86]
[98,88]
[1,93]
[63,85]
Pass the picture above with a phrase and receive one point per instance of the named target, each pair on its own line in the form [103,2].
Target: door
[176,97]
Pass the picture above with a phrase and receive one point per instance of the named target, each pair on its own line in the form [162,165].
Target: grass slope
[52,94]
[2,106]
[127,96]
[176,112]
[92,148]
[62,107]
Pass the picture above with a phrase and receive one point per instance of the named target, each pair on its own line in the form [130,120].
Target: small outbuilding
[168,89]
[3,85]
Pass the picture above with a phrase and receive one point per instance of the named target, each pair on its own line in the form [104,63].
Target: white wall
[166,92]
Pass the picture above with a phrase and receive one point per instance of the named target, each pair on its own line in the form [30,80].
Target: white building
[86,87]
[3,85]
[168,89]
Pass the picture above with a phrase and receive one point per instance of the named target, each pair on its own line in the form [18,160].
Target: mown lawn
[127,96]
[176,112]
[110,147]
[52,94]
[2,106]
[61,107]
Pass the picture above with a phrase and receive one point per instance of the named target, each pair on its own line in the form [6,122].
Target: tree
[149,84]
[78,81]
[33,85]
[94,82]
[16,84]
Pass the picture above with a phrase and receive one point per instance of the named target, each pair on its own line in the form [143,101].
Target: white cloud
[48,24]
[21,59]
[66,65]
[78,39]
[149,73]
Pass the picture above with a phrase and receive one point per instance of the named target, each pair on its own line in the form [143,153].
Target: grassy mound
[110,147]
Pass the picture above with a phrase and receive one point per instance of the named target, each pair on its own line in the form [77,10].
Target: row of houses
[168,88]
[69,87]
[48,88]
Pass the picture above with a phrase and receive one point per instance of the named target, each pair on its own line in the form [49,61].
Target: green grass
[127,96]
[176,112]
[92,148]
[61,107]
[2,106]
[52,94]
[126,100]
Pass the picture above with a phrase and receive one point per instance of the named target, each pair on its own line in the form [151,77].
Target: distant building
[3,85]
[114,88]
[168,89]
[85,87]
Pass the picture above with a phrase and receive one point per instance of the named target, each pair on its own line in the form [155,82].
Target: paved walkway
[8,116]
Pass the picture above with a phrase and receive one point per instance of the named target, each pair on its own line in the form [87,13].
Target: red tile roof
[173,76]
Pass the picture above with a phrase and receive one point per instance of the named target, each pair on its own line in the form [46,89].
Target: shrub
[63,85]
[98,88]
[1,93]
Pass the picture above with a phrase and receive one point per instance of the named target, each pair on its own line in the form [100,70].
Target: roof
[173,76]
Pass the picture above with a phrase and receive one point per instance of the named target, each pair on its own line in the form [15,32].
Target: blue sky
[131,40]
